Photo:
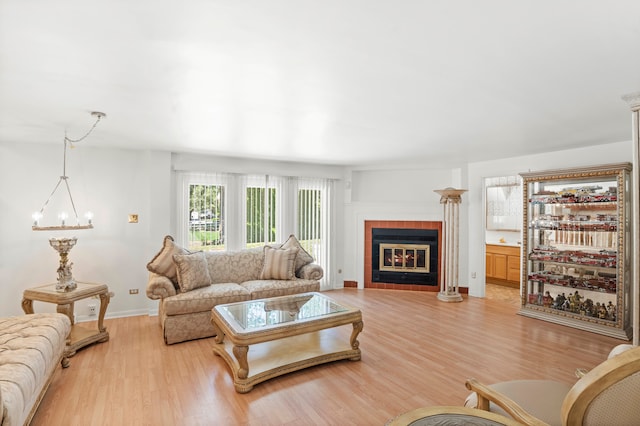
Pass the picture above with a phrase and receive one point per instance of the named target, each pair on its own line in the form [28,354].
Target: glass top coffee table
[265,338]
[451,416]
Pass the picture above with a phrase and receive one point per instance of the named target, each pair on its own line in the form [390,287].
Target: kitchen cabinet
[503,264]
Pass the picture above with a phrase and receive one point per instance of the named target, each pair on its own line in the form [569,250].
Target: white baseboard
[120,314]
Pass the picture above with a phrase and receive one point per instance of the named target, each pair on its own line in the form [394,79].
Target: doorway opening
[503,230]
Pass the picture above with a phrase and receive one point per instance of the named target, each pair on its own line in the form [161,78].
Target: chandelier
[63,217]
[63,246]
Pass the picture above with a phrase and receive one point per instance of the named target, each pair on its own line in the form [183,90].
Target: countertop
[498,243]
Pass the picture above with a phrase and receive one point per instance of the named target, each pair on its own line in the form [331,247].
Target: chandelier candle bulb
[63,217]
[89,217]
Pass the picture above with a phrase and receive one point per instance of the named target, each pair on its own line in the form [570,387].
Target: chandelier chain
[67,139]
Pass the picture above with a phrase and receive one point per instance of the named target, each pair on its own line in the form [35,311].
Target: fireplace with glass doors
[404,256]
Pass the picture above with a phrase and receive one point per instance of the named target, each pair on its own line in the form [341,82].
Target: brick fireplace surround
[398,224]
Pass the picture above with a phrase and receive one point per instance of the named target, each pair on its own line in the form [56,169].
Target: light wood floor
[416,351]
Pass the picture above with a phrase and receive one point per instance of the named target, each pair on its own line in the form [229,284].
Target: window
[262,207]
[261,211]
[202,211]
[230,212]
[206,217]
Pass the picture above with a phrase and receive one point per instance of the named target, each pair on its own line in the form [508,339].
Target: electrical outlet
[133,218]
[133,291]
[92,309]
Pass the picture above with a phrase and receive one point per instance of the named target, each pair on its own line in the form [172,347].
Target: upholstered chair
[605,395]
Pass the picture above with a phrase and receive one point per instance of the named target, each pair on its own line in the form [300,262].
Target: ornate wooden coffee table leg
[219,337]
[357,329]
[240,353]
[355,345]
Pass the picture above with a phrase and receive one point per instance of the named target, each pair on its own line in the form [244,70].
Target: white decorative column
[451,198]
[633,99]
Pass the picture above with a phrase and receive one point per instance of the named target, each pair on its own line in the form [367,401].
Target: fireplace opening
[404,256]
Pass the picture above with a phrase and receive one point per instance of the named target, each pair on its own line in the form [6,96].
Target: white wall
[395,194]
[600,154]
[407,194]
[112,183]
[220,164]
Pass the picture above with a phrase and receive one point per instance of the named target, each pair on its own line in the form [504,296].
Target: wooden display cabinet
[576,256]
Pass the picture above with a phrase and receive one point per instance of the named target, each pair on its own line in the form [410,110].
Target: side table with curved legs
[80,336]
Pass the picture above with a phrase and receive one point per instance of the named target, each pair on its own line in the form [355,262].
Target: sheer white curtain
[314,222]
[279,184]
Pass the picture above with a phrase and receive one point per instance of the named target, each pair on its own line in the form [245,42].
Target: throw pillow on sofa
[303,258]
[279,264]
[192,271]
[162,263]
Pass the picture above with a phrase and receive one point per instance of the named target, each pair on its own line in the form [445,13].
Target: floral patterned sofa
[189,284]
[31,346]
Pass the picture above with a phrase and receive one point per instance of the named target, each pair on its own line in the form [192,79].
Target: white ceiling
[350,82]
